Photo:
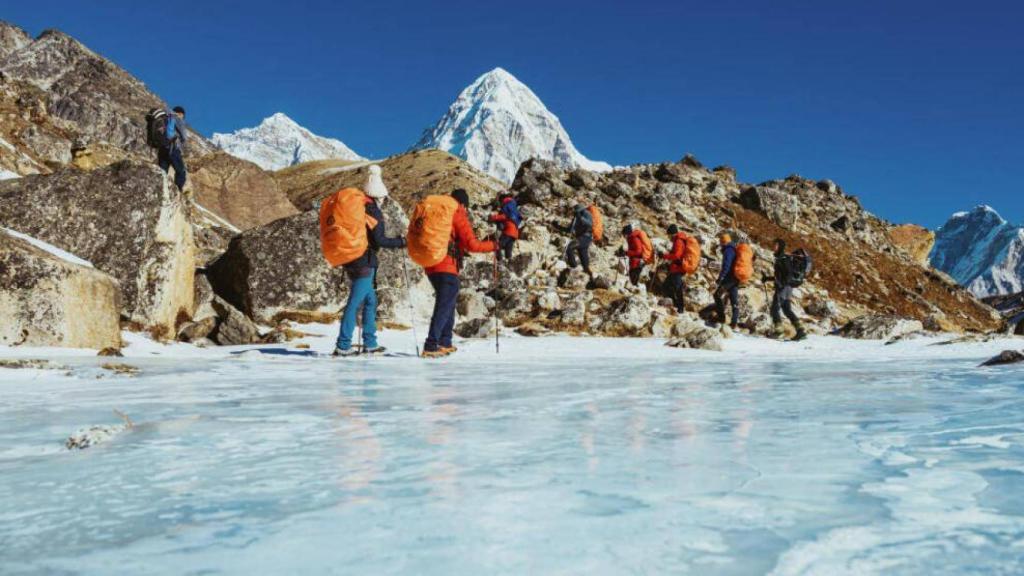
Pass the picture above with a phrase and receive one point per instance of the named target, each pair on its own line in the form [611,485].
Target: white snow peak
[497,123]
[279,142]
[981,251]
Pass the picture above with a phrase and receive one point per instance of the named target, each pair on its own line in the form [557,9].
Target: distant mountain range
[278,142]
[981,251]
[497,123]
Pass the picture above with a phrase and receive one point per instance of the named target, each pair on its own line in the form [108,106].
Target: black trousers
[675,288]
[578,252]
[728,289]
[782,304]
[634,274]
[442,321]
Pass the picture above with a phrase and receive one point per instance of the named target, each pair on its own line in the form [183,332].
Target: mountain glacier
[279,142]
[497,123]
[981,251]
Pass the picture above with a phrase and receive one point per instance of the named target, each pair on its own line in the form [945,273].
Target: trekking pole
[497,333]
[412,310]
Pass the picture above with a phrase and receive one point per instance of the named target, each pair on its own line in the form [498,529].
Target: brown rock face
[47,301]
[916,241]
[238,191]
[126,220]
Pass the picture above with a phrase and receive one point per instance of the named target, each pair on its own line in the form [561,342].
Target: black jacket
[361,267]
[783,270]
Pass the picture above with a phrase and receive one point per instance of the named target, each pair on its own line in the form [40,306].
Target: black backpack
[156,129]
[799,267]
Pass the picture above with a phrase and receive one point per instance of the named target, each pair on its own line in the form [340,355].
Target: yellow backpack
[430,229]
[343,222]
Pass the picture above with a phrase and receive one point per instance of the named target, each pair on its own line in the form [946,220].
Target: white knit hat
[375,187]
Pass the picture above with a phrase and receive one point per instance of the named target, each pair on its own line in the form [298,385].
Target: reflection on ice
[567,463]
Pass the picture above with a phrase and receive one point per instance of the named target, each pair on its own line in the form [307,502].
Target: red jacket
[463,240]
[676,255]
[635,250]
[509,229]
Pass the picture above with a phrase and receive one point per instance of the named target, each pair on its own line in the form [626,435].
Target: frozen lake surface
[561,455]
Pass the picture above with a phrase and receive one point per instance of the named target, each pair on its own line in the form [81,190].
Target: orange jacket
[635,250]
[463,240]
[509,229]
[675,256]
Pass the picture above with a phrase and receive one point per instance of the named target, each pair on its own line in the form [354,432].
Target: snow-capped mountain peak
[279,142]
[497,123]
[981,251]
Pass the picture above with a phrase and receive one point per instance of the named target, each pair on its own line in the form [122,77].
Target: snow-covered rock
[497,123]
[279,142]
[981,251]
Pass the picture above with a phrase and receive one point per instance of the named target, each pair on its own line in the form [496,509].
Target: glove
[620,252]
[404,243]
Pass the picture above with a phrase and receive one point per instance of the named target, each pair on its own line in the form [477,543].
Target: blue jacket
[728,262]
[178,130]
[377,239]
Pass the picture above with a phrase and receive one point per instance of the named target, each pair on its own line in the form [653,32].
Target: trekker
[582,229]
[639,250]
[790,272]
[362,273]
[172,147]
[683,259]
[728,285]
[509,219]
[432,213]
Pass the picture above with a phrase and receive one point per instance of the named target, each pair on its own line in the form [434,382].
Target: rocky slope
[981,251]
[279,142]
[66,97]
[497,123]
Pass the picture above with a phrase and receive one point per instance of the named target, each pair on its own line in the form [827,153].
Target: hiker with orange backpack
[737,268]
[582,228]
[509,219]
[440,234]
[640,251]
[352,230]
[683,259]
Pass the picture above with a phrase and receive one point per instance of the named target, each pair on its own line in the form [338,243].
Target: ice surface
[561,455]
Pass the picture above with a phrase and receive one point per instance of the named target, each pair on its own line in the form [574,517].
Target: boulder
[1005,357]
[690,332]
[629,316]
[233,328]
[277,270]
[879,327]
[916,241]
[46,300]
[127,220]
[776,205]
[238,191]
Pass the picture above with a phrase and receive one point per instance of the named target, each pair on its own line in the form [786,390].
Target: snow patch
[8,175]
[50,248]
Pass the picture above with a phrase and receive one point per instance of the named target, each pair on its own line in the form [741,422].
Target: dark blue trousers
[167,158]
[442,322]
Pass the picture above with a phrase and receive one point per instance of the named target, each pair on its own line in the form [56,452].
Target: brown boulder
[238,191]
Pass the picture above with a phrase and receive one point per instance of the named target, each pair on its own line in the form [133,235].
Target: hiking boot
[434,353]
[375,351]
[448,349]
[345,353]
[778,331]
[800,335]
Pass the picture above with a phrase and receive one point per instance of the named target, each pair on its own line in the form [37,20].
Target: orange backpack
[430,229]
[691,257]
[743,270]
[598,225]
[343,222]
[647,248]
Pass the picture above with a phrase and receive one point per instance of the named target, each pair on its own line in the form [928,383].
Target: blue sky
[914,106]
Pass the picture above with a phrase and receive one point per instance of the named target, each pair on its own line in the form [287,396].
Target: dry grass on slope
[855,274]
[408,177]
